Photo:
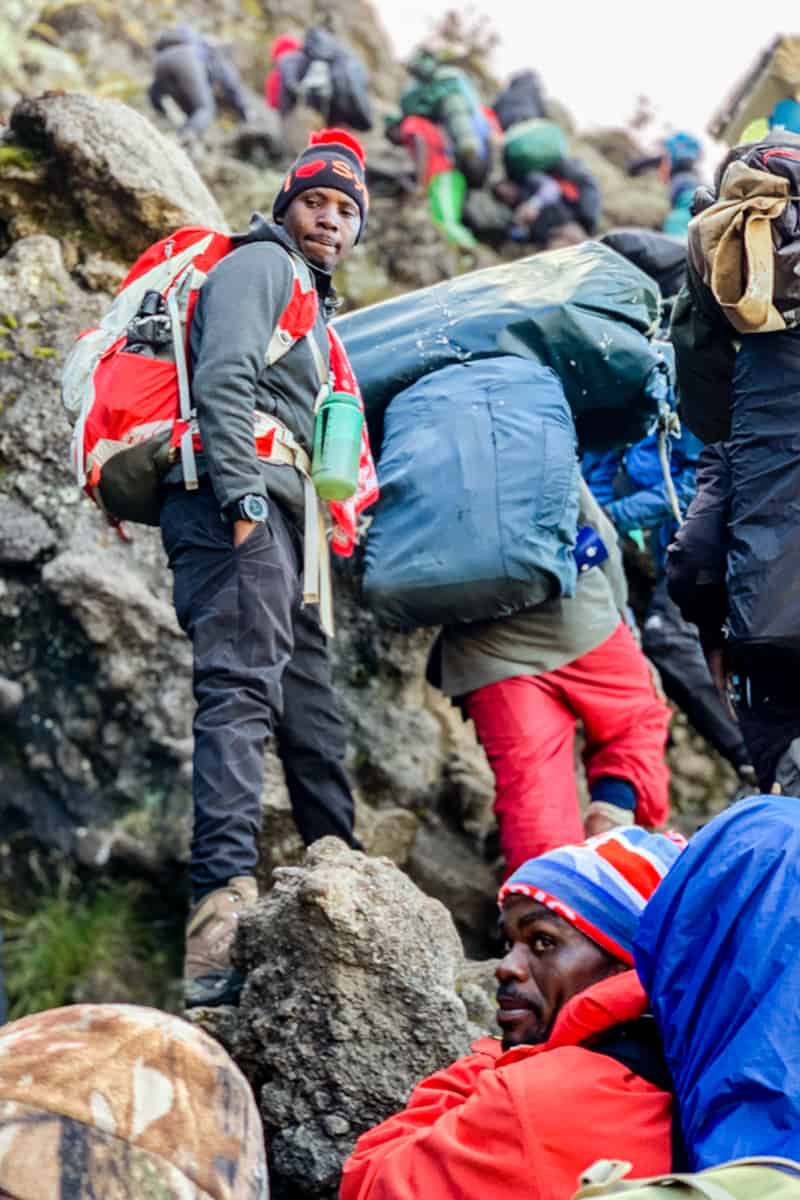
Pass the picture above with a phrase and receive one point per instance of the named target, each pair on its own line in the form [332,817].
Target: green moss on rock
[16,157]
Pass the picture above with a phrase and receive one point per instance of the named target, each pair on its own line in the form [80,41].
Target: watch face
[255,508]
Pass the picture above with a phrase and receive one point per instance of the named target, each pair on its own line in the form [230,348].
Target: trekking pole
[669,425]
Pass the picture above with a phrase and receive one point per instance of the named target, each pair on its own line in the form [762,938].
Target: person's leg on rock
[311,738]
[766,703]
[674,646]
[236,605]
[625,725]
[528,733]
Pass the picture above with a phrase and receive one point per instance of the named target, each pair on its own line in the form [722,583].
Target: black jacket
[739,548]
[697,558]
[705,342]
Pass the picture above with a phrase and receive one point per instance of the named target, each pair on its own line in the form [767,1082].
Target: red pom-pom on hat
[340,137]
[283,44]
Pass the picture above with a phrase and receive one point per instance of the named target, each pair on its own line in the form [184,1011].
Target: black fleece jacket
[697,558]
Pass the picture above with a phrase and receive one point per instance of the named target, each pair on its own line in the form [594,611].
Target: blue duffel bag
[479,496]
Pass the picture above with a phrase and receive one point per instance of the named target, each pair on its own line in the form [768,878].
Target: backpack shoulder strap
[297,319]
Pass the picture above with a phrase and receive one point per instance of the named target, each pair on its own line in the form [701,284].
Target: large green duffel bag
[742,1179]
[532,146]
[585,311]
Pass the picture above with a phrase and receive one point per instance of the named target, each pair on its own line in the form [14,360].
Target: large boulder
[641,200]
[350,1000]
[105,168]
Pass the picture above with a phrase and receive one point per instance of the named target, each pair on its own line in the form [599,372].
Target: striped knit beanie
[600,886]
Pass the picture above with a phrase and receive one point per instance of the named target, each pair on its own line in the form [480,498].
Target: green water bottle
[337,447]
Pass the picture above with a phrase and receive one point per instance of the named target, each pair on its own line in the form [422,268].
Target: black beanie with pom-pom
[332,159]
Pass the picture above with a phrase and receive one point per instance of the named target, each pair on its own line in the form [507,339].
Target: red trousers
[527,727]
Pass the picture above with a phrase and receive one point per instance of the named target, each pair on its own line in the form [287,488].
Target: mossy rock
[15,158]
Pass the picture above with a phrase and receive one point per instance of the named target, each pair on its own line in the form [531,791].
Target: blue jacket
[717,952]
[647,505]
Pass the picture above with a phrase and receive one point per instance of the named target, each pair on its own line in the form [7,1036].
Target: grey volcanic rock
[477,987]
[24,535]
[445,864]
[113,169]
[350,1000]
[34,277]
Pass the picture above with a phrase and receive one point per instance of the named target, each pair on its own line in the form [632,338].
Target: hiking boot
[208,977]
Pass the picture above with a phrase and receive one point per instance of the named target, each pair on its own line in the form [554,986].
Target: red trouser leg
[528,733]
[625,722]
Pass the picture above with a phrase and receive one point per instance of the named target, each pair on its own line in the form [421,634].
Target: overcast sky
[598,57]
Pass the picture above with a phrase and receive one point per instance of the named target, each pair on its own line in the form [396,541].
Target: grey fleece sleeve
[236,314]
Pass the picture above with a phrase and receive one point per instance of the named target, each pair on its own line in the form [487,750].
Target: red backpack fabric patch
[126,381]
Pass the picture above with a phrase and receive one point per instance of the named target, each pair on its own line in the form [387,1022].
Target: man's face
[324,224]
[547,961]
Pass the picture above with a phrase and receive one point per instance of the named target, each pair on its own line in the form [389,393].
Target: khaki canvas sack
[741,1179]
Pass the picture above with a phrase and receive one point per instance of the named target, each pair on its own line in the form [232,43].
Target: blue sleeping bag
[479,496]
[717,953]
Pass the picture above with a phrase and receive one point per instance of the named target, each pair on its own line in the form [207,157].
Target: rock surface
[350,1000]
[109,170]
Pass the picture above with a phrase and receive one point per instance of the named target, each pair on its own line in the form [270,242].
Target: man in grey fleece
[194,74]
[236,549]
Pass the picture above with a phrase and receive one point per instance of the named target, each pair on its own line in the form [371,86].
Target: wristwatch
[250,508]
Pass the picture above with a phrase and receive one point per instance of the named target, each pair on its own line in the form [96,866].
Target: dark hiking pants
[261,668]
[674,646]
[766,694]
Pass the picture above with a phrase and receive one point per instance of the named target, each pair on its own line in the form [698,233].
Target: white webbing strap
[188,462]
[317,587]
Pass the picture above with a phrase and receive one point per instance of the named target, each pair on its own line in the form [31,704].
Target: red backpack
[126,381]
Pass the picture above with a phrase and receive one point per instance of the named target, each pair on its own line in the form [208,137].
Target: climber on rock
[630,487]
[527,679]
[323,73]
[552,208]
[445,95]
[733,566]
[245,546]
[579,1074]
[194,74]
[436,173]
